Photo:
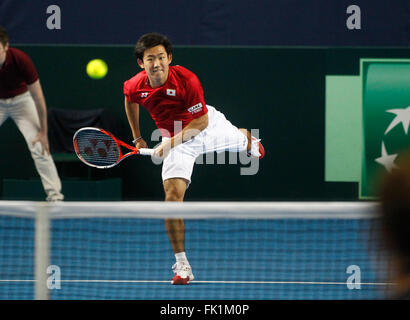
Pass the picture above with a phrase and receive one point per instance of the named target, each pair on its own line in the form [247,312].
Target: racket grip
[145,151]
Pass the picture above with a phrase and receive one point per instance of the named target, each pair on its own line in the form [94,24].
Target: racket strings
[97,148]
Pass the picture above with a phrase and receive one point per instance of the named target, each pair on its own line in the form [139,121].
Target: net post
[42,251]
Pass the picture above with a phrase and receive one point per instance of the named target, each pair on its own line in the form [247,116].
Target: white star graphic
[387,160]
[403,116]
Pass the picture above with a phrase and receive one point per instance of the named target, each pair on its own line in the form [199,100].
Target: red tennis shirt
[16,73]
[180,98]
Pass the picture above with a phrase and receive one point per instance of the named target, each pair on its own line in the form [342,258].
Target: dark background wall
[211,22]
[280,91]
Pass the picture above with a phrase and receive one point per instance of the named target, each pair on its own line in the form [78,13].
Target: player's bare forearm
[133,115]
[188,133]
[39,100]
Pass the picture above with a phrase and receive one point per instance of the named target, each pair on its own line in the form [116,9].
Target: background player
[174,98]
[22,99]
[395,205]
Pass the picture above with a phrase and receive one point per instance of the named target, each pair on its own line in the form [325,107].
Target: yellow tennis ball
[97,69]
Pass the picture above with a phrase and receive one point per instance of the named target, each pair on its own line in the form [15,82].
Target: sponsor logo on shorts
[171,92]
[196,108]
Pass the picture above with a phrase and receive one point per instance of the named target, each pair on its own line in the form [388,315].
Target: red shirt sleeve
[126,91]
[27,68]
[195,98]
[131,87]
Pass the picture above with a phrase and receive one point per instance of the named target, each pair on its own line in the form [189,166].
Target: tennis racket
[100,149]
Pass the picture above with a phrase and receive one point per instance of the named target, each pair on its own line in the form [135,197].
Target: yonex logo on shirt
[171,92]
[196,108]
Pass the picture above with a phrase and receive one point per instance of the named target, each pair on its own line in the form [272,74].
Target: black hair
[150,40]
[4,36]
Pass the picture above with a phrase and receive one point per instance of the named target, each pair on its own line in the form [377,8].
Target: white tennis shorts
[220,135]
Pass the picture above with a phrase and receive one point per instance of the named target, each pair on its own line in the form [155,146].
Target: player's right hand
[141,144]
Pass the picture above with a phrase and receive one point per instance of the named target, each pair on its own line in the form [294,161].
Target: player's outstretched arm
[188,133]
[191,130]
[133,115]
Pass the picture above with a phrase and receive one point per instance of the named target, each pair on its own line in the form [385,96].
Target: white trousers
[23,111]
[220,135]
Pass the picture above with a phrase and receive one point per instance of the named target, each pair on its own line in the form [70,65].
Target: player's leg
[254,147]
[3,110]
[174,191]
[176,175]
[249,136]
[24,114]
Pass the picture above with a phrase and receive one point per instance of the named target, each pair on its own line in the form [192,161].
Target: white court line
[218,282]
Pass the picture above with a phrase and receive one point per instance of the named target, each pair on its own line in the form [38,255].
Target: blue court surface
[107,258]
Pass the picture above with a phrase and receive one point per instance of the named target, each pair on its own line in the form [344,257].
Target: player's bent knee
[173,196]
[174,189]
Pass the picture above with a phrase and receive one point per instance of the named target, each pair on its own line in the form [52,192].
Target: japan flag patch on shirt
[171,92]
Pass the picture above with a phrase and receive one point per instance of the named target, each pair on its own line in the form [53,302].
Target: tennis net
[238,250]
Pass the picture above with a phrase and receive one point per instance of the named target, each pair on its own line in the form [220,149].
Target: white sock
[181,257]
[255,148]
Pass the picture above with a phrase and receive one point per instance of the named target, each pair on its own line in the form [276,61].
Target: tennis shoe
[183,273]
[257,150]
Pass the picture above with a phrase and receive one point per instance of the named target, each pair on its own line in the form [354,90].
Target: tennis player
[22,99]
[189,127]
[395,219]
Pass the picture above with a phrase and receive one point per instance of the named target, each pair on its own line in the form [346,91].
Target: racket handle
[145,151]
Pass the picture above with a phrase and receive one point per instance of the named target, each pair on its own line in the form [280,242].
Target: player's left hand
[43,139]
